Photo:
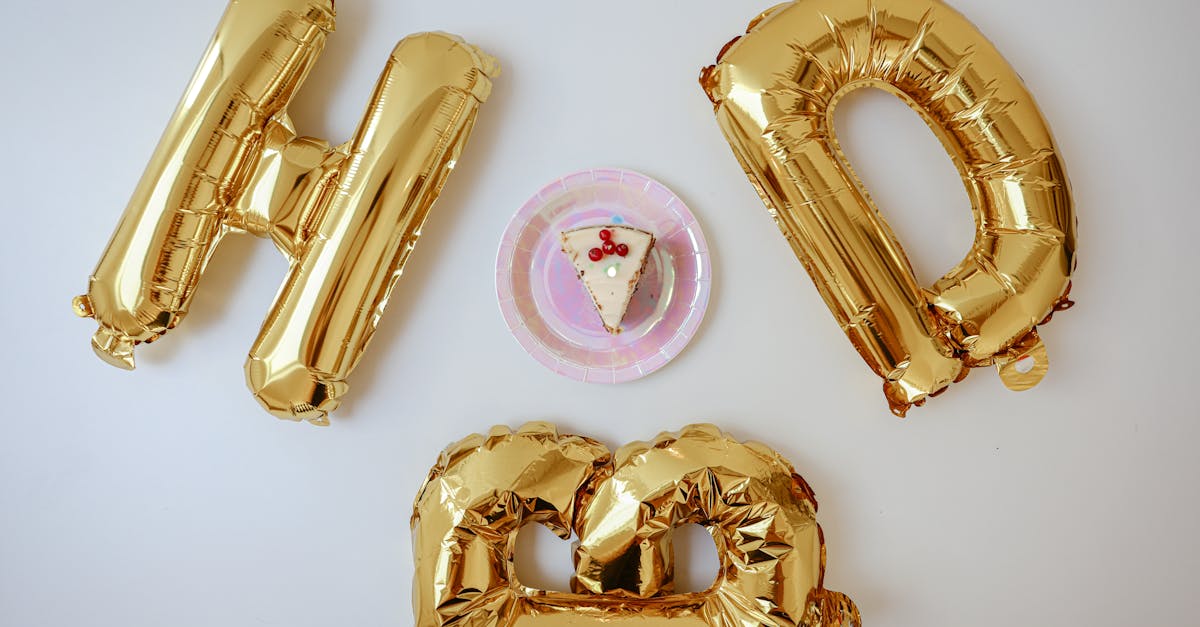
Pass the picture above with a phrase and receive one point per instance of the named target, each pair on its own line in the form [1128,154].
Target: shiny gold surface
[623,509]
[774,92]
[347,217]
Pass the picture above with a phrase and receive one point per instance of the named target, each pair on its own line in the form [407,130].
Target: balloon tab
[82,306]
[1026,365]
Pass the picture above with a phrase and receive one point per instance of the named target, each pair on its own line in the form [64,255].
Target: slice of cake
[609,260]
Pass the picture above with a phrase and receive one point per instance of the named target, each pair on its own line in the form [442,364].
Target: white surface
[167,497]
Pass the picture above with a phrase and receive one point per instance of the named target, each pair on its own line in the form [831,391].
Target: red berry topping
[622,250]
[595,254]
[609,247]
[605,234]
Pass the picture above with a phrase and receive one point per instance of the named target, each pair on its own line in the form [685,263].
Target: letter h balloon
[346,216]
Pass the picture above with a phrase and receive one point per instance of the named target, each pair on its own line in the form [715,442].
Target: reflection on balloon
[346,216]
[774,90]
[623,507]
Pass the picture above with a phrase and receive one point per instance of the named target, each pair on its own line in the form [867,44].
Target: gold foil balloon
[623,508]
[346,216]
[774,92]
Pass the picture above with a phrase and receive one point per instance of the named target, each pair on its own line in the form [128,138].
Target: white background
[167,497]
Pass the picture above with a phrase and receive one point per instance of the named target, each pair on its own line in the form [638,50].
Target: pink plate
[550,312]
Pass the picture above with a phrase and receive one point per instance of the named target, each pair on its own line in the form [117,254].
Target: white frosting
[612,280]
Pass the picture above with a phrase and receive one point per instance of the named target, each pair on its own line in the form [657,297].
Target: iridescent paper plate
[550,312]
